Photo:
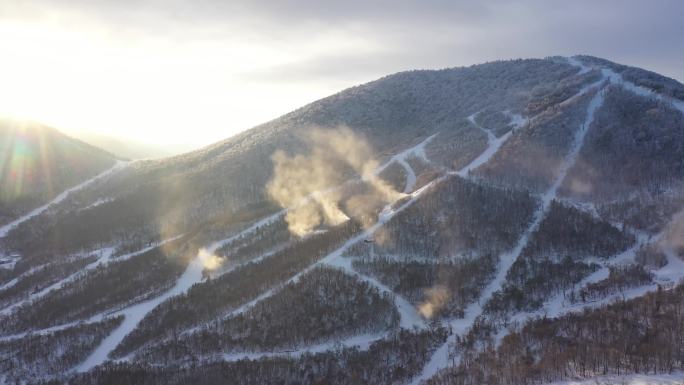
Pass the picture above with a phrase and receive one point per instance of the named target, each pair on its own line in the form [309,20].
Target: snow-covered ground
[676,378]
[248,231]
[333,258]
[401,158]
[671,273]
[583,69]
[616,78]
[362,342]
[105,257]
[134,314]
[493,146]
[9,261]
[4,230]
[409,316]
[440,358]
[490,136]
[517,120]
[98,202]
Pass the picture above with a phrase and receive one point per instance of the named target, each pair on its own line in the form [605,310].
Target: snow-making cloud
[310,185]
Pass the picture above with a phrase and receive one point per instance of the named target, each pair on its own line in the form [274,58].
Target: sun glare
[148,90]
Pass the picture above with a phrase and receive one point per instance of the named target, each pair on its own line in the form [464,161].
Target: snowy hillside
[515,222]
[37,163]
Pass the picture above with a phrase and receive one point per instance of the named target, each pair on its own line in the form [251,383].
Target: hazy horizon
[125,70]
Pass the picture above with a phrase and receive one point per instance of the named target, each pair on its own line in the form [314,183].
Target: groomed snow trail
[583,69]
[408,315]
[401,159]
[493,146]
[490,136]
[134,314]
[104,259]
[616,78]
[676,378]
[4,230]
[362,342]
[440,359]
[104,255]
[331,258]
[671,273]
[193,274]
[248,231]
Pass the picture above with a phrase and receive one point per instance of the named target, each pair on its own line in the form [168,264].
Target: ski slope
[105,257]
[134,314]
[675,378]
[493,146]
[440,358]
[616,78]
[408,315]
[401,158]
[362,342]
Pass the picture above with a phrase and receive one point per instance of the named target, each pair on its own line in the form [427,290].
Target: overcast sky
[197,71]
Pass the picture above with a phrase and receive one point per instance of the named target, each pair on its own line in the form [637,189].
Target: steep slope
[447,220]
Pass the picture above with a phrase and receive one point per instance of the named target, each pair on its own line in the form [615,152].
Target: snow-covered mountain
[514,222]
[37,163]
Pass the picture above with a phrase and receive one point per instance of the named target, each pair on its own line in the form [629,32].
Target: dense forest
[644,335]
[324,305]
[393,360]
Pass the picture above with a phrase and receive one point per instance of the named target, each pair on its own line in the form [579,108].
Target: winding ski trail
[493,146]
[401,159]
[408,314]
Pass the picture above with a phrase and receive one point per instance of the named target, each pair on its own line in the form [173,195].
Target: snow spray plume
[437,297]
[210,261]
[302,183]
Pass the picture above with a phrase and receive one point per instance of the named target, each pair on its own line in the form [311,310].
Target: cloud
[427,34]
